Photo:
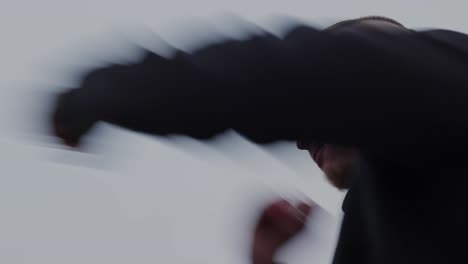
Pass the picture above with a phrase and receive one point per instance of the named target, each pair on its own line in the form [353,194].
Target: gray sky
[131,198]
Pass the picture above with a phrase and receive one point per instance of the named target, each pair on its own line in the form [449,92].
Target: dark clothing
[400,98]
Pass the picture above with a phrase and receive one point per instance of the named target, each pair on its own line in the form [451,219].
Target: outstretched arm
[379,91]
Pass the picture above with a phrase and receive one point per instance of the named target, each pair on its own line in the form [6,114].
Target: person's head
[336,161]
[377,22]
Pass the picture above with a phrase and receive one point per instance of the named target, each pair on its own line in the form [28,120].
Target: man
[397,97]
[281,221]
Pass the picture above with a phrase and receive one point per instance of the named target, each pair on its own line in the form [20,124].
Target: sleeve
[383,92]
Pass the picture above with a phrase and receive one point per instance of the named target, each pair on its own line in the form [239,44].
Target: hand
[278,223]
[69,126]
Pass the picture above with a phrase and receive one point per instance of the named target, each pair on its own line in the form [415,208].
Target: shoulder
[455,40]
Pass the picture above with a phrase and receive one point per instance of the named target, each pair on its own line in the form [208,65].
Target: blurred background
[132,198]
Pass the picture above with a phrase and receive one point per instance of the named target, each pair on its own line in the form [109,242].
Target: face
[334,160]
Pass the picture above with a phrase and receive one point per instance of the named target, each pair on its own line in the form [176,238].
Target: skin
[334,160]
[278,223]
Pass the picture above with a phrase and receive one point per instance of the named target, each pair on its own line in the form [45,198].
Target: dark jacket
[400,98]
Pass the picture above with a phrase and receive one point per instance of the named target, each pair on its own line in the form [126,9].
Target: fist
[278,223]
[69,123]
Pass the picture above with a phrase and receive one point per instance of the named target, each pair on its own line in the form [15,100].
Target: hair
[351,22]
